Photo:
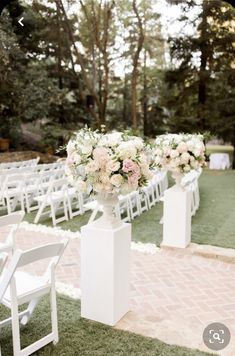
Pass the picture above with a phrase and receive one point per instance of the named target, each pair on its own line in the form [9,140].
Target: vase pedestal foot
[177,217]
[105,273]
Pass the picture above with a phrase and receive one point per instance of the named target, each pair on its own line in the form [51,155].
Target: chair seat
[25,284]
[55,196]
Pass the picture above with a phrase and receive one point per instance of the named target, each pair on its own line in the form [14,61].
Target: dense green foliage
[106,62]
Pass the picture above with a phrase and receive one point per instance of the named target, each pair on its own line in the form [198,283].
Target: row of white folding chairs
[20,164]
[61,202]
[190,182]
[49,166]
[20,189]
[20,287]
[31,169]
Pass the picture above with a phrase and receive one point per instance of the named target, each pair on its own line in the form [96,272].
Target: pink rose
[133,179]
[101,156]
[128,165]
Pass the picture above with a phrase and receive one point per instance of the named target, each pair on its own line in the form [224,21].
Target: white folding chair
[13,192]
[122,209]
[56,200]
[143,201]
[13,221]
[134,204]
[17,288]
[31,190]
[75,202]
[150,196]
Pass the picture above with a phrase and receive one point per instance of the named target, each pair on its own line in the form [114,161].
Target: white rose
[138,142]
[182,147]
[91,167]
[116,180]
[126,150]
[111,139]
[104,178]
[167,151]
[197,152]
[190,145]
[86,150]
[177,161]
[187,168]
[174,153]
[112,166]
[77,158]
[185,157]
[158,152]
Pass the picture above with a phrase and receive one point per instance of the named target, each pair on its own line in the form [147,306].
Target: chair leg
[8,205]
[53,214]
[32,305]
[54,318]
[15,327]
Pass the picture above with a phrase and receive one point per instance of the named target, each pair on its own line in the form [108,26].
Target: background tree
[200,61]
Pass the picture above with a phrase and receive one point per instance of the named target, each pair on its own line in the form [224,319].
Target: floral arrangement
[111,163]
[180,153]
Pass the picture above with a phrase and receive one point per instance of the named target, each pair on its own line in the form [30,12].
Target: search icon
[216,336]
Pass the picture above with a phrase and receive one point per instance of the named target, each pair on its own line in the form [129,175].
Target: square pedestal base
[105,273]
[177,217]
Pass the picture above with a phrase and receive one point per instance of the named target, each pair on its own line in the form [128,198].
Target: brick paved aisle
[174,296]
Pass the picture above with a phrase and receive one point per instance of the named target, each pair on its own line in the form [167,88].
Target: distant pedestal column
[105,272]
[177,217]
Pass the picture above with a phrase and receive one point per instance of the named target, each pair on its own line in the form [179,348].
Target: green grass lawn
[81,337]
[213,224]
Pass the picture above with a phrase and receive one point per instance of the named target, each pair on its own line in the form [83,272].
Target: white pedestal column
[177,217]
[105,273]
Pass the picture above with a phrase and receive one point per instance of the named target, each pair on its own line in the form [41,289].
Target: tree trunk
[145,98]
[203,71]
[59,60]
[124,111]
[81,63]
[134,74]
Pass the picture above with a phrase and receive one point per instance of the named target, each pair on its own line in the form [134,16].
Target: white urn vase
[108,219]
[177,176]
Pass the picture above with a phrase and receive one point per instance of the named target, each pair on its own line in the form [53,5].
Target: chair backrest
[59,184]
[20,259]
[14,221]
[32,179]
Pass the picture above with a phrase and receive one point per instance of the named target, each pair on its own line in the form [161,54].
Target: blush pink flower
[101,156]
[128,165]
[133,179]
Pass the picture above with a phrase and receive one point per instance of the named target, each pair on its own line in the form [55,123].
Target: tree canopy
[113,62]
